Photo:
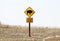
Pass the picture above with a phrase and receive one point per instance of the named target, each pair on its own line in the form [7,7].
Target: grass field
[21,33]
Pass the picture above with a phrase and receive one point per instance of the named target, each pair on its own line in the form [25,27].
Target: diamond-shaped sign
[29,11]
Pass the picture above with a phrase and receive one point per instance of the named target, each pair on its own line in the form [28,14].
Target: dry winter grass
[20,33]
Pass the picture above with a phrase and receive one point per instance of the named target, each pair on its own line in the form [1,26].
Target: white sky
[47,12]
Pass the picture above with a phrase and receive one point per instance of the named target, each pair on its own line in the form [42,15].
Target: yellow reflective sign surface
[29,11]
[29,20]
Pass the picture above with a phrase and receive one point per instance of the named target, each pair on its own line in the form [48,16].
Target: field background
[20,33]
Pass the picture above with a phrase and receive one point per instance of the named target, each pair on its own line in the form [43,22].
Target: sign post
[29,12]
[29,30]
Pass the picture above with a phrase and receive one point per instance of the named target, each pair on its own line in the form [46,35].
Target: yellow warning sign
[29,11]
[29,20]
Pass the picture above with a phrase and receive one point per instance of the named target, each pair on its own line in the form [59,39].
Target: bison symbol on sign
[29,11]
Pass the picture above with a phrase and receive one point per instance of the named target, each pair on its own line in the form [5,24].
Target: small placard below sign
[29,19]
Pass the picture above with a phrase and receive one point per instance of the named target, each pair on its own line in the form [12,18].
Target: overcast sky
[47,12]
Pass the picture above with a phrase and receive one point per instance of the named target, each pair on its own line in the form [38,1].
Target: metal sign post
[29,12]
[29,30]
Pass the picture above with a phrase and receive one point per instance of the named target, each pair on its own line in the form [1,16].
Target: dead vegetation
[20,33]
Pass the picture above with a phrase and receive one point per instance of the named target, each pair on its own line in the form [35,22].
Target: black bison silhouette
[29,11]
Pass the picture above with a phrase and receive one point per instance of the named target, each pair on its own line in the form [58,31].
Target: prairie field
[21,33]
